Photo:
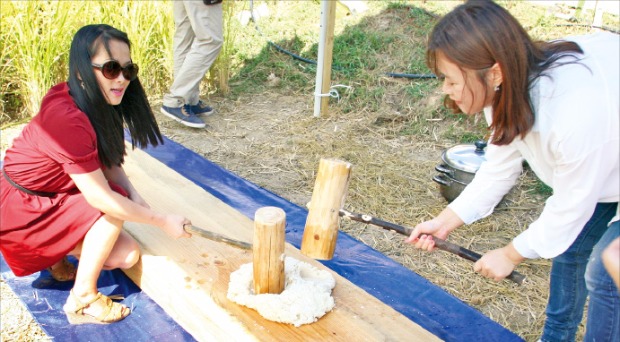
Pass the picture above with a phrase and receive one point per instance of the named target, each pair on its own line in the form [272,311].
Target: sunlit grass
[35,37]
[33,53]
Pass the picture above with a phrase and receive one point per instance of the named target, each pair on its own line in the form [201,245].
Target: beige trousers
[196,44]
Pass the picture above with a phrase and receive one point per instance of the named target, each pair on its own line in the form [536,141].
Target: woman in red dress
[63,190]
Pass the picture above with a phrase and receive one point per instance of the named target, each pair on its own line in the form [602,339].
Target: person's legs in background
[206,20]
[203,23]
[568,292]
[197,42]
[183,36]
[611,260]
[603,322]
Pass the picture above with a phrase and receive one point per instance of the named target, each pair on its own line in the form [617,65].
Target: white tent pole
[319,62]
[324,58]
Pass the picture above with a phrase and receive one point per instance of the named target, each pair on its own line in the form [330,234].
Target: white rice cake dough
[305,299]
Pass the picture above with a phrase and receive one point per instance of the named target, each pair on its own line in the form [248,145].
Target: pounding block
[268,250]
[189,278]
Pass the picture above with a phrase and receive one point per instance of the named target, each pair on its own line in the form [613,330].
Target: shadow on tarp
[408,293]
[44,298]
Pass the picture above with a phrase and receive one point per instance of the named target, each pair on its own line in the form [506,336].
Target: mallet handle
[216,237]
[439,243]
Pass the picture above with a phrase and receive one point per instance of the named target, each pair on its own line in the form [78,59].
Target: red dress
[36,232]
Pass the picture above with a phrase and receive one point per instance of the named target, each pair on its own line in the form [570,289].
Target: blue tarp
[410,294]
[44,298]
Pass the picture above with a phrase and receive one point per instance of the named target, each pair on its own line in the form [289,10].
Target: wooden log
[330,189]
[268,250]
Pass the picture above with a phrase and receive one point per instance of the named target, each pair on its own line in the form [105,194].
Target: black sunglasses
[111,70]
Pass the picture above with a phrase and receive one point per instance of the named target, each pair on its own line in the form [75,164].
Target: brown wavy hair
[480,33]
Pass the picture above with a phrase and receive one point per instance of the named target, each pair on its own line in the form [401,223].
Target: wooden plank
[189,278]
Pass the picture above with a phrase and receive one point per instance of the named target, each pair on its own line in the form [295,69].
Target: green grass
[542,189]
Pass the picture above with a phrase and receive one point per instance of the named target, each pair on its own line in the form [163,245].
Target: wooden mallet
[439,243]
[330,190]
[325,209]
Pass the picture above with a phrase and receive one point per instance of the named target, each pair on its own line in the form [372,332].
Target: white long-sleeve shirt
[573,147]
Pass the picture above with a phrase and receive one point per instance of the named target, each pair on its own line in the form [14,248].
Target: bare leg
[95,253]
[124,254]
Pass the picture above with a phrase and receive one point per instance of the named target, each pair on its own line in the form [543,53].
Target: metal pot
[448,187]
[458,168]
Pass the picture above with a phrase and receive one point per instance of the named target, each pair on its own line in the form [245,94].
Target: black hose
[310,61]
[279,48]
[276,46]
[606,28]
[392,74]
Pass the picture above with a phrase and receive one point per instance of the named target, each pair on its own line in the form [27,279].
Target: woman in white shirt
[555,105]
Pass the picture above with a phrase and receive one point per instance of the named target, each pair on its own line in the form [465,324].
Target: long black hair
[107,120]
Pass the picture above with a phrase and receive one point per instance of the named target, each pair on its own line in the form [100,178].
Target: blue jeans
[604,307]
[568,292]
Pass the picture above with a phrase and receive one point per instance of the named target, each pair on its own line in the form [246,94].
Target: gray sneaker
[183,115]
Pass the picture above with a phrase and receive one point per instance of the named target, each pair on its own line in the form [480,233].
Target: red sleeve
[68,136]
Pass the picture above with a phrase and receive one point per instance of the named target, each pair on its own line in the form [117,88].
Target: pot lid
[466,157]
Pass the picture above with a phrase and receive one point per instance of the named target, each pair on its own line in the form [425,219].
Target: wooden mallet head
[330,191]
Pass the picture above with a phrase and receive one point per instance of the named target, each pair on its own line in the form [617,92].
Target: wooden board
[189,278]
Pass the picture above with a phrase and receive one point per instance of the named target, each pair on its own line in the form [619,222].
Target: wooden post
[268,250]
[598,15]
[324,60]
[579,9]
[330,189]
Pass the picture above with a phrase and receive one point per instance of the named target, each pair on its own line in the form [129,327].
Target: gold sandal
[63,272]
[113,312]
